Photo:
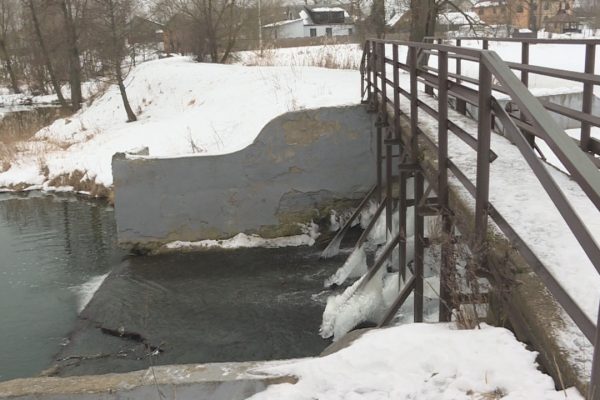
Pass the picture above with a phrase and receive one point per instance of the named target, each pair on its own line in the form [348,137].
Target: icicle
[354,267]
[347,310]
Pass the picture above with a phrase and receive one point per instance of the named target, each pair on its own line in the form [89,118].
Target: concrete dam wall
[301,165]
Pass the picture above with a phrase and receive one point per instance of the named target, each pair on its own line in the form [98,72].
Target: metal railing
[587,78]
[383,94]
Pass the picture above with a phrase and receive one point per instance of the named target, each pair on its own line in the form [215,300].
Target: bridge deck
[521,199]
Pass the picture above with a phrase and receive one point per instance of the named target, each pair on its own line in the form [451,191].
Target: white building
[312,22]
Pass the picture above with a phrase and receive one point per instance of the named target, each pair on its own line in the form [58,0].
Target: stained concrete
[300,166]
[232,381]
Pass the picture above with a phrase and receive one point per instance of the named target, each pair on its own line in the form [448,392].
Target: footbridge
[461,137]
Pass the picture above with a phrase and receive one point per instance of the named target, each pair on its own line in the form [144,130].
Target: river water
[56,251]
[49,247]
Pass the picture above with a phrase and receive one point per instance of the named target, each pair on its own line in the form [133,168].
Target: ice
[354,267]
[241,240]
[345,311]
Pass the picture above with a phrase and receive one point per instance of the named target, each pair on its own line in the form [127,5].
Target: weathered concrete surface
[230,381]
[302,164]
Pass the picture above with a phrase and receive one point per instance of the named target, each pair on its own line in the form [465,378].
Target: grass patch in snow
[79,181]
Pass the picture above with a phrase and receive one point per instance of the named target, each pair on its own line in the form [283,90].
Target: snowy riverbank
[183,108]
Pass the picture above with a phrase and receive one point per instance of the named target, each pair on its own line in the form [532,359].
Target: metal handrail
[581,168]
[588,78]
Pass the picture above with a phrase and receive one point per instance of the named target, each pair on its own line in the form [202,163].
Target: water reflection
[49,246]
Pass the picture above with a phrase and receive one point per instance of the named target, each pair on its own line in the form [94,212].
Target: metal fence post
[483,159]
[588,95]
[374,74]
[446,269]
[525,79]
[418,188]
[401,174]
[461,105]
[594,388]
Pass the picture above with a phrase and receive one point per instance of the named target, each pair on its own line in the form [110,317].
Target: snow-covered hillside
[184,108]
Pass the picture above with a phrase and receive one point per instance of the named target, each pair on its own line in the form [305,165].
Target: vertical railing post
[525,79]
[388,145]
[485,44]
[594,388]
[383,106]
[588,95]
[525,61]
[446,269]
[483,158]
[401,173]
[461,105]
[379,136]
[418,188]
[374,74]
[419,244]
[396,79]
[368,67]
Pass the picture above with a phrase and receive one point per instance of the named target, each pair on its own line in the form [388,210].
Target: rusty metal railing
[527,66]
[494,75]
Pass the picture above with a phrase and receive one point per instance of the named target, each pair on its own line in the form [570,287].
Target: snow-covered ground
[183,108]
[339,56]
[421,361]
[8,99]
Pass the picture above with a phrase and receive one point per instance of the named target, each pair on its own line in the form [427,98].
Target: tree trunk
[422,23]
[117,60]
[8,66]
[73,51]
[45,55]
[130,114]
[378,18]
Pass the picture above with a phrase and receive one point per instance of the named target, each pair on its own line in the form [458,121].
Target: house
[460,23]
[562,23]
[522,14]
[312,22]
[144,32]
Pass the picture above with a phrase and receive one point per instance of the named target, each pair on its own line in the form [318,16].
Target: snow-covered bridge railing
[391,70]
[527,65]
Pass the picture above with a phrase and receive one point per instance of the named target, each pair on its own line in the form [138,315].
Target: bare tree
[378,17]
[70,11]
[219,21]
[45,54]
[7,16]
[424,14]
[110,28]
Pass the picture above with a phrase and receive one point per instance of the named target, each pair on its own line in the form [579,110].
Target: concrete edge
[242,377]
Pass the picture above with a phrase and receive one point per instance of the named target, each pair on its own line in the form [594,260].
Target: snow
[280,23]
[183,108]
[420,361]
[331,9]
[346,56]
[482,4]
[241,240]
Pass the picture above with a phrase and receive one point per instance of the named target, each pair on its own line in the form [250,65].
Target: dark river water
[49,248]
[56,251]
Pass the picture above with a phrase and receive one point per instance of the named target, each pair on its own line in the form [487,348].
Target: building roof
[306,16]
[459,18]
[280,23]
[488,3]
